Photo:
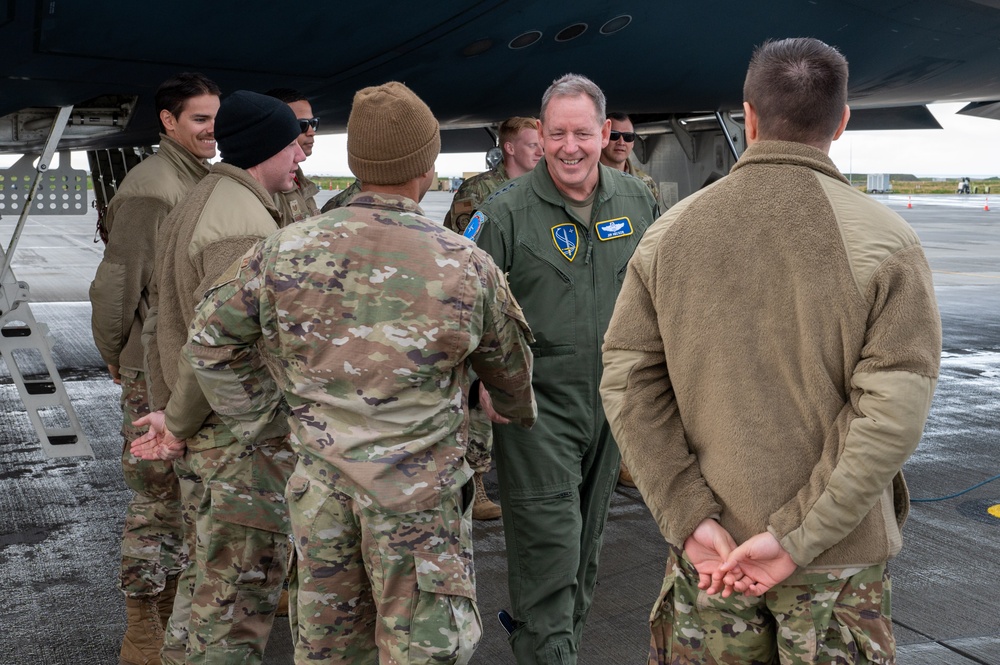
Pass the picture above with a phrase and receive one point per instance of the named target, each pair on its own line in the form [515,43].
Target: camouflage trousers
[382,588]
[241,552]
[813,617]
[175,639]
[152,538]
[480,448]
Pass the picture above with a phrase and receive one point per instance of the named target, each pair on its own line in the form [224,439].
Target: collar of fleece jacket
[789,152]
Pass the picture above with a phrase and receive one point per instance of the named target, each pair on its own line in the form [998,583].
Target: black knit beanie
[392,136]
[250,128]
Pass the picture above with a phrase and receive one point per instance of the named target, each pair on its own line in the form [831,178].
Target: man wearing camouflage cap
[378,317]
[231,487]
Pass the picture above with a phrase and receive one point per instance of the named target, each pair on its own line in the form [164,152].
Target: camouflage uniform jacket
[376,314]
[647,180]
[470,194]
[222,217]
[341,199]
[299,202]
[120,290]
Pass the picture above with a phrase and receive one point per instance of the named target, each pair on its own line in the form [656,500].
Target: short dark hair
[287,95]
[176,90]
[618,116]
[798,88]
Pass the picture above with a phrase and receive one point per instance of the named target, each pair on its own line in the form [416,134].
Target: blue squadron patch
[565,238]
[614,228]
[474,226]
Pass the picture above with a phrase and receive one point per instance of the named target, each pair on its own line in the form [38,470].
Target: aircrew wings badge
[614,228]
[565,238]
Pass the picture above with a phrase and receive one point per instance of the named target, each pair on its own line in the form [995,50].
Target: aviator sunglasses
[306,123]
[628,137]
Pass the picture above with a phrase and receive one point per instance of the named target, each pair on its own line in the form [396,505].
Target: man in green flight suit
[564,234]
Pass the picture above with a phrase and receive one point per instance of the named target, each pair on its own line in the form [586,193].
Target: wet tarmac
[60,519]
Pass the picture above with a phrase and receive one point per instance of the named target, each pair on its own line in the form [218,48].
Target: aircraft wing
[473,62]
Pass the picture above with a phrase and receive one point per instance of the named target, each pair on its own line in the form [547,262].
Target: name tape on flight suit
[614,228]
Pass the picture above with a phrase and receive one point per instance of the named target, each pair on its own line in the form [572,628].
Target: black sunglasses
[628,137]
[306,123]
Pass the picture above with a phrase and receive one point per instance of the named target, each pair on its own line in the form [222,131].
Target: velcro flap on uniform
[445,574]
[255,508]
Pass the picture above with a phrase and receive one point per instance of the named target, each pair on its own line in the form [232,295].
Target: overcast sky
[966,146]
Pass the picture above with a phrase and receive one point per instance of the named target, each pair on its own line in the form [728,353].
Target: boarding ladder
[25,344]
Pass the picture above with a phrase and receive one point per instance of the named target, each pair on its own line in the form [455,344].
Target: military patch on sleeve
[476,223]
[566,240]
[614,228]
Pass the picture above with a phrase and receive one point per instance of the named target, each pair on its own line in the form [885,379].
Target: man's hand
[158,443]
[487,403]
[707,548]
[115,376]
[761,563]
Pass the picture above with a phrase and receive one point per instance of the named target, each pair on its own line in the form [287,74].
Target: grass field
[908,184]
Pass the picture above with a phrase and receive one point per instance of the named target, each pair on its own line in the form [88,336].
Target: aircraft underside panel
[682,164]
[62,190]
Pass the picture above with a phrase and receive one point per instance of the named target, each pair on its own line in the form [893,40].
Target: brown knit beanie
[392,137]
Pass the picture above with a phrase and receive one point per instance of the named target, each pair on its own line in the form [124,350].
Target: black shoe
[509,623]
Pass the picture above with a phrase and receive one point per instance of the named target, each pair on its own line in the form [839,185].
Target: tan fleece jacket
[119,293]
[223,217]
[771,360]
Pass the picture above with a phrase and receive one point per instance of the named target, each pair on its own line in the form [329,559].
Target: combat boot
[625,476]
[144,634]
[483,508]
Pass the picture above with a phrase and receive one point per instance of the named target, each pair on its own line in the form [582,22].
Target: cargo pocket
[546,535]
[862,625]
[245,552]
[661,622]
[446,626]
[255,508]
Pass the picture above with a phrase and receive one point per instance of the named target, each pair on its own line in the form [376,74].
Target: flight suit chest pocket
[547,294]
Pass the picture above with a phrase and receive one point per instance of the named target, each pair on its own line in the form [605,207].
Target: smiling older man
[564,233]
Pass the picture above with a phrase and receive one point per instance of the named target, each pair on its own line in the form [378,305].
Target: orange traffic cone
[987,206]
[908,203]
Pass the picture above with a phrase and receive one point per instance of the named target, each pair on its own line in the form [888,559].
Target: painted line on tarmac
[966,274]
